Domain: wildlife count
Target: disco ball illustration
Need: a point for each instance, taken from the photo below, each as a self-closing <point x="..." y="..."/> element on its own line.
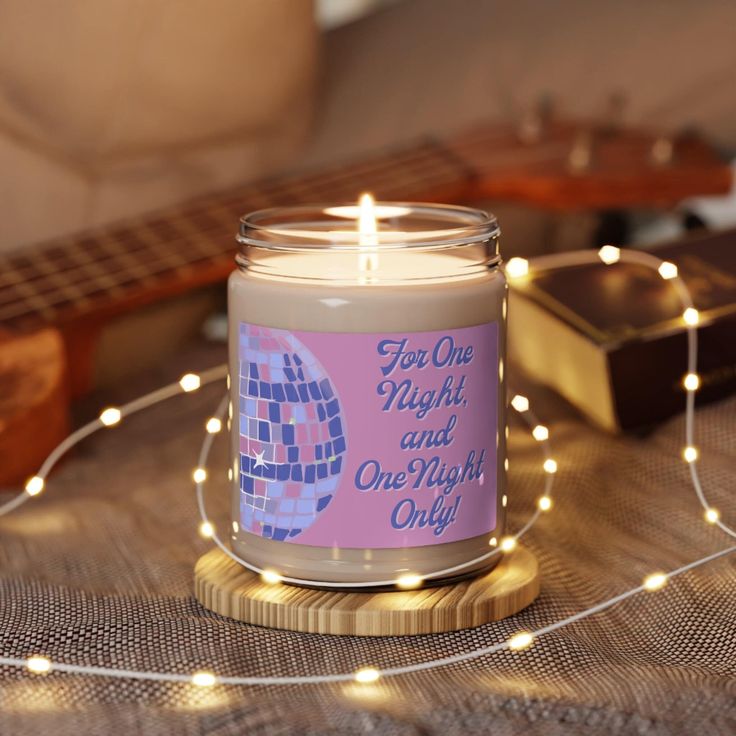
<point x="292" y="434"/>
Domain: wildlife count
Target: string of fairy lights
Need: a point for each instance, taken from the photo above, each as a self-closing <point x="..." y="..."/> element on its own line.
<point x="516" y="269"/>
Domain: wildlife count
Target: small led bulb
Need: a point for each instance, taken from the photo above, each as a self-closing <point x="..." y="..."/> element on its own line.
<point x="690" y="454"/>
<point x="609" y="254"/>
<point x="544" y="503"/>
<point x="199" y="475"/>
<point x="35" y="485"/>
<point x="189" y="382"/>
<point x="517" y="267"/>
<point x="206" y="530"/>
<point x="508" y="544"/>
<point x="203" y="679"/>
<point x="550" y="465"/>
<point x="367" y="674"/>
<point x="655" y="581"/>
<point x="39" y="665"/>
<point x="522" y="640"/>
<point x="712" y="515"/>
<point x="520" y="403"/>
<point x="111" y="416"/>
<point x="214" y="425"/>
<point x="691" y="316"/>
<point x="271" y="577"/>
<point x="691" y="382"/>
<point x="540" y="433"/>
<point x="407" y="581"/>
<point x="667" y="270"/>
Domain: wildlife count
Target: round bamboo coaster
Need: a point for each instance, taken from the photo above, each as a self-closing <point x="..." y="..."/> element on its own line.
<point x="227" y="588"/>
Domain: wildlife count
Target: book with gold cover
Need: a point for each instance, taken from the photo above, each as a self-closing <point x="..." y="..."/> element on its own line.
<point x="611" y="339"/>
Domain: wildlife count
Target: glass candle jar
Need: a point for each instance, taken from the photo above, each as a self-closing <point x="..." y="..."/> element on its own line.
<point x="367" y="349"/>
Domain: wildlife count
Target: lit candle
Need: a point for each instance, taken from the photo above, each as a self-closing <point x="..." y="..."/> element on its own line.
<point x="366" y="361"/>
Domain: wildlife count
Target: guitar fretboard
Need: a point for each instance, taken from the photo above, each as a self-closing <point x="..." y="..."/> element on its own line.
<point x="193" y="244"/>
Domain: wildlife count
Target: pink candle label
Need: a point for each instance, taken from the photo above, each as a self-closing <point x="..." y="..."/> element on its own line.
<point x="368" y="440"/>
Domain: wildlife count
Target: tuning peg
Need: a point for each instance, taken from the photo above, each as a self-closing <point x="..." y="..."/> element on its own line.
<point x="662" y="151"/>
<point x="615" y="112"/>
<point x="580" y="157"/>
<point x="535" y="121"/>
<point x="530" y="128"/>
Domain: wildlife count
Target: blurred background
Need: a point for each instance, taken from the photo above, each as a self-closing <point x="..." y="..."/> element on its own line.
<point x="134" y="133"/>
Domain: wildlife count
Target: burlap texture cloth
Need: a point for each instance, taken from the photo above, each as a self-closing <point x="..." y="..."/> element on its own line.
<point x="98" y="570"/>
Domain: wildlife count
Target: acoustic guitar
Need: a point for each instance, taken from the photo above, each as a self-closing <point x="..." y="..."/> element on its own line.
<point x="56" y="297"/>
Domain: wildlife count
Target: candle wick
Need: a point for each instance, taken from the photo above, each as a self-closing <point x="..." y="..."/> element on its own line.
<point x="367" y="235"/>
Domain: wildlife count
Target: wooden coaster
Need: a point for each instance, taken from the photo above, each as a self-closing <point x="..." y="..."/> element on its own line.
<point x="229" y="589"/>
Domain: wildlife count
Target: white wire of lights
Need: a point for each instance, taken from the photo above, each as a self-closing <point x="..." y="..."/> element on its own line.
<point x="516" y="268"/>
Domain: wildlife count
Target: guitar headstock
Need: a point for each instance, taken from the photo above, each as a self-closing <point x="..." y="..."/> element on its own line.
<point x="562" y="165"/>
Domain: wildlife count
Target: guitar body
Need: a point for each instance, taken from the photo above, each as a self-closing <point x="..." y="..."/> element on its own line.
<point x="34" y="402"/>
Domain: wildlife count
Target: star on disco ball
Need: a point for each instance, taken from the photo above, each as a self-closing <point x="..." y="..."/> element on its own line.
<point x="292" y="435"/>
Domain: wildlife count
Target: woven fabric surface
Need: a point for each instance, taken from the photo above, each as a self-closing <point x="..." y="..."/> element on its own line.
<point x="98" y="570"/>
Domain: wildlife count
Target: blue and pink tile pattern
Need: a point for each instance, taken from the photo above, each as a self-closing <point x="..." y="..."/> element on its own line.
<point x="292" y="434"/>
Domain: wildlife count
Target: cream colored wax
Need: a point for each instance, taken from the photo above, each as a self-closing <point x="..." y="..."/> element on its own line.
<point x="405" y="290"/>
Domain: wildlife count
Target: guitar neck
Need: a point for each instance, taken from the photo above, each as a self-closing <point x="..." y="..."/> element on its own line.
<point x="118" y="267"/>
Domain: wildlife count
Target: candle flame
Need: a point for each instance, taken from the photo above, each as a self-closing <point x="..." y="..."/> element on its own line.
<point x="367" y="225"/>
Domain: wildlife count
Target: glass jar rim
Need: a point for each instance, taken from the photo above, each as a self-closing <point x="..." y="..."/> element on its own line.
<point x="411" y="226"/>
